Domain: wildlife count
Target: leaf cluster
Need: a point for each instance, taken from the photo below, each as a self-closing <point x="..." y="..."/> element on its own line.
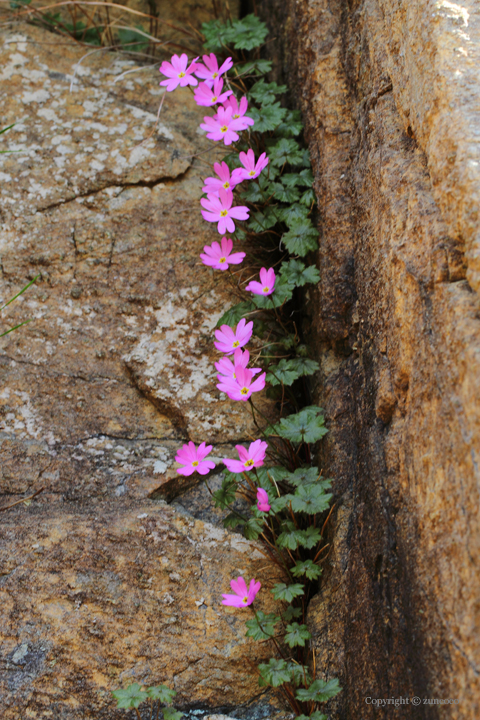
<point x="133" y="696"/>
<point x="246" y="33"/>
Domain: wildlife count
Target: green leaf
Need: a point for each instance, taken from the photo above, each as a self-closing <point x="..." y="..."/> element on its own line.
<point x="299" y="673"/>
<point x="232" y="316"/>
<point x="280" y="295"/>
<point x="291" y="180"/>
<point x="226" y="494"/>
<point x="262" y="627"/>
<point x="170" y="713"/>
<point x="261" y="221"/>
<point x="287" y="592"/>
<point x="306" y="160"/>
<point x="293" y="214"/>
<point x="310" y="537"/>
<point x="308" y="198"/>
<point x="260" y="66"/>
<point x="295" y="272"/>
<point x="317" y="715"/>
<point x="253" y="528"/>
<point x="283" y="373"/>
<point x="301" y="238"/>
<point x="217" y="35"/>
<point x="275" y="673"/>
<point x="307" y="568"/>
<point x="265" y="475"/>
<point x="249" y="32"/>
<point x="282" y="193"/>
<point x="304" y="476"/>
<point x="306" y="426"/>
<point x="296" y="635"/>
<point x="288" y="341"/>
<point x="277" y="504"/>
<point x="267" y="118"/>
<point x="319" y="691"/>
<point x="307" y="177"/>
<point x="131" y="697"/>
<point x="310" y="499"/>
<point x="290" y="613"/>
<point x="285" y="151"/>
<point x="253" y="193"/>
<point x="232" y="520"/>
<point x="291" y="126"/>
<point x="264" y="93"/>
<point x="290" y="538"/>
<point x="161" y="693"/>
<point x="245" y="34"/>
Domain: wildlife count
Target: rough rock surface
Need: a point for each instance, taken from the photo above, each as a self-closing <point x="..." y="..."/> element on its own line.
<point x="390" y="98"/>
<point x="100" y="580"/>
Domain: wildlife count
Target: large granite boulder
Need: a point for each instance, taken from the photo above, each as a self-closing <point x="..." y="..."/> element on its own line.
<point x="101" y="582"/>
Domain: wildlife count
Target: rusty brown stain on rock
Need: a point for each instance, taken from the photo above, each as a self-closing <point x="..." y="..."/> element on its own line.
<point x="396" y="323"/>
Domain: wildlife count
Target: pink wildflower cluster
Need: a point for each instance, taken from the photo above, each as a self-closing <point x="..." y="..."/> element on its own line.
<point x="235" y="378"/>
<point x="229" y="120"/>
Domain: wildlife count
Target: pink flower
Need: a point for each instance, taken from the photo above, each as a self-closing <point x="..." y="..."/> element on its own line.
<point x="219" y="257"/>
<point x="226" y="368"/>
<point x="242" y="597"/>
<point x="229" y="340"/>
<point x="193" y="459"/>
<point x="253" y="457"/>
<point x="212" y="185"/>
<point x="205" y="95"/>
<point x="239" y="110"/>
<point x="220" y="210"/>
<point x="222" y="126"/>
<point x="266" y="286"/>
<point x="210" y="71"/>
<point x="251" y="170"/>
<point x="242" y="386"/>
<point x="177" y="72"/>
<point x="262" y="500"/>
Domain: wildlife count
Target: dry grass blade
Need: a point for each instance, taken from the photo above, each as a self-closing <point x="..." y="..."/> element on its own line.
<point x="96" y="3"/>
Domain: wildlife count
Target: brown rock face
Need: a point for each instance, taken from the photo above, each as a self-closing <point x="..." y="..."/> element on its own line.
<point x="101" y="583"/>
<point x="389" y="93"/>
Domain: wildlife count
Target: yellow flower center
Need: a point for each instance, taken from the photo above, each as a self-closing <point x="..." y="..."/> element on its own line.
<point x="236" y="116"/>
<point x="236" y="343"/>
<point x="224" y="128"/>
<point x="195" y="463"/>
<point x="226" y="185"/>
<point x="182" y="74"/>
<point x="244" y="391"/>
<point x="215" y="75"/>
<point x="245" y="600"/>
<point x="222" y="260"/>
<point x="249" y="463"/>
<point x="223" y="213"/>
<point x="266" y="289"/>
<point x="214" y="98"/>
<point x="252" y="173"/>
